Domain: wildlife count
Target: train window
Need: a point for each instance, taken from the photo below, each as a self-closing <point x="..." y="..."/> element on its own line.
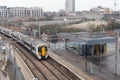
<point x="27" y="44"/>
<point x="23" y="41"/>
<point x="39" y="49"/>
<point x="33" y="48"/>
<point x="45" y="48"/>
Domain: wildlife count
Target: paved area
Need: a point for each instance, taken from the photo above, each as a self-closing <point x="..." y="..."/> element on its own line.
<point x="12" y="68"/>
<point x="14" y="72"/>
<point x="75" y="70"/>
<point x="3" y="73"/>
<point x="80" y="62"/>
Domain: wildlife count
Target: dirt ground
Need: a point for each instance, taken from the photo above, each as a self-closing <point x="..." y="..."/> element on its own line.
<point x="85" y="25"/>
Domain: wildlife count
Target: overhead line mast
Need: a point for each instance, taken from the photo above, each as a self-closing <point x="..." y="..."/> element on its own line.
<point x="115" y="5"/>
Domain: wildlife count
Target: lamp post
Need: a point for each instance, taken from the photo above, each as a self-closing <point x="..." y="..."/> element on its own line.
<point x="101" y="16"/>
<point x="37" y="19"/>
<point x="116" y="53"/>
<point x="116" y="50"/>
<point x="39" y="29"/>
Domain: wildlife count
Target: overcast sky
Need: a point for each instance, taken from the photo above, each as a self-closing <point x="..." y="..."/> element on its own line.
<point x="55" y="5"/>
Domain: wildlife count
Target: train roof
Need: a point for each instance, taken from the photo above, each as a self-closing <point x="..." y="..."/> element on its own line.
<point x="6" y="29"/>
<point x="17" y="33"/>
<point x="24" y="37"/>
<point x="29" y="39"/>
<point x="33" y="41"/>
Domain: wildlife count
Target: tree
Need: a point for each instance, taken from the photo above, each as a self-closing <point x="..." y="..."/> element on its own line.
<point x="32" y="26"/>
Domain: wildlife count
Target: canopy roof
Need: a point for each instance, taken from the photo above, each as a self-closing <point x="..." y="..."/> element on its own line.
<point x="88" y="38"/>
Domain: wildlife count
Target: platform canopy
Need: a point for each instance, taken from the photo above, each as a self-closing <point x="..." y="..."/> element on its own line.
<point x="88" y="38"/>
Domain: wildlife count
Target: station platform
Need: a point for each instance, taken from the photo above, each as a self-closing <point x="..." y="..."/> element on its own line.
<point x="77" y="71"/>
<point x="77" y="64"/>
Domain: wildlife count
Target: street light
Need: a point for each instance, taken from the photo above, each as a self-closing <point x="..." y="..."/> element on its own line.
<point x="116" y="55"/>
<point x="101" y="16"/>
<point x="117" y="37"/>
<point x="39" y="28"/>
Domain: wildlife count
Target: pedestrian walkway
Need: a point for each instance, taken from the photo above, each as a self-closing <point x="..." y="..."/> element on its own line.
<point x="14" y="71"/>
<point x="3" y="63"/>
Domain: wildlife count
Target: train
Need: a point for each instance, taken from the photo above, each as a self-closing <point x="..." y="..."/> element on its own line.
<point x="37" y="47"/>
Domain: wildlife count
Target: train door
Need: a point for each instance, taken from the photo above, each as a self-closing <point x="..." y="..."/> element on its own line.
<point x="39" y="50"/>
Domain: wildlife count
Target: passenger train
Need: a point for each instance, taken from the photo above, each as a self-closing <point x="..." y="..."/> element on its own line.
<point x="37" y="47"/>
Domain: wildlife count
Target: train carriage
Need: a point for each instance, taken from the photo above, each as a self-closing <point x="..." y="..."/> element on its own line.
<point x="39" y="48"/>
<point x="6" y="31"/>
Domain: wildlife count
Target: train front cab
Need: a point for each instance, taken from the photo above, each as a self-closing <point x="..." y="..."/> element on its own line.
<point x="42" y="51"/>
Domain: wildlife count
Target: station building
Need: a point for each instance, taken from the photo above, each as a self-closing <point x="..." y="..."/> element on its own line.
<point x="87" y="43"/>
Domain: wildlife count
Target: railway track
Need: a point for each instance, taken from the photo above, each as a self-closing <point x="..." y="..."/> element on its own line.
<point x="42" y="70"/>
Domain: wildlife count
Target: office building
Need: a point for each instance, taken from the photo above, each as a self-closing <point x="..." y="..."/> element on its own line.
<point x="20" y="12"/>
<point x="17" y="12"/>
<point x="3" y="12"/>
<point x="36" y="12"/>
<point x="70" y="6"/>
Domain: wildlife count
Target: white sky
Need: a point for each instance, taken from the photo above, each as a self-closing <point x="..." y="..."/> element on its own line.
<point x="55" y="5"/>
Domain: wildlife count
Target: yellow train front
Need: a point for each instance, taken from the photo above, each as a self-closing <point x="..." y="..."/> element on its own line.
<point x="42" y="52"/>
